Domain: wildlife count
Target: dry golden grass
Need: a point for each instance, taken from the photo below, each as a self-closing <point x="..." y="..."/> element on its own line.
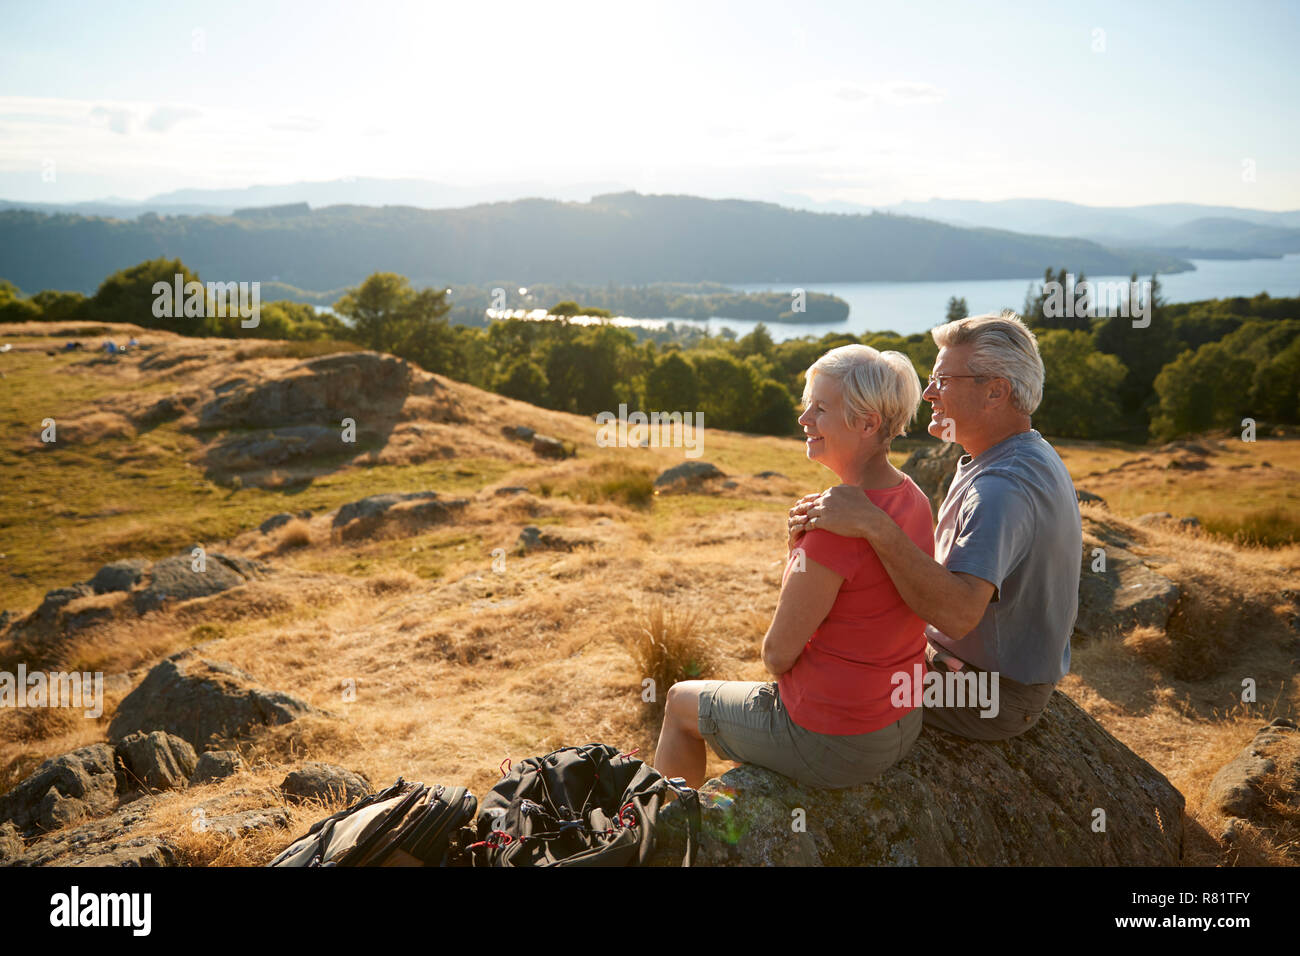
<point x="667" y="647"/>
<point x="295" y="534"/>
<point x="439" y="667"/>
<point x="1175" y="696"/>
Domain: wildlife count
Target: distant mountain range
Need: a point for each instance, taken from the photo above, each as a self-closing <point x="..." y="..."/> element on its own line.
<point x="1183" y="230"/>
<point x="352" y="191"/>
<point x="625" y="238"/>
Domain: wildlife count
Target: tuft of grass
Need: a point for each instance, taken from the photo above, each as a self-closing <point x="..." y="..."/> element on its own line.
<point x="611" y="481"/>
<point x="667" y="647"/>
<point x="206" y="632"/>
<point x="296" y="534"/>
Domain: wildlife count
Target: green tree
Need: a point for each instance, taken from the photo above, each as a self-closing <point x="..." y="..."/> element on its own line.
<point x="1080" y="387"/>
<point x="429" y="339"/>
<point x="378" y="309"/>
<point x="584" y="368"/>
<point x="1276" y="389"/>
<point x="522" y="379"/>
<point x="672" y="386"/>
<point x="957" y="309"/>
<point x="61" y="306"/>
<point x="774" y="410"/>
<point x="1143" y="350"/>
<point x="757" y="342"/>
<point x="128" y="296"/>
<point x="729" y="389"/>
<point x="389" y="316"/>
<point x="1200" y="390"/>
<point x="13" y="307"/>
<point x="569" y="307"/>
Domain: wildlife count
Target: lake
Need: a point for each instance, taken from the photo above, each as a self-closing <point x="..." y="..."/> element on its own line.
<point x="907" y="307"/>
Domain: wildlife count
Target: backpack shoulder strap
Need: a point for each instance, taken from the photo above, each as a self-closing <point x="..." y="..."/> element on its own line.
<point x="690" y="798"/>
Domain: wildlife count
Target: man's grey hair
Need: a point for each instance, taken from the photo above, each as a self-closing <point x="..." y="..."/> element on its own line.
<point x="1002" y="347"/>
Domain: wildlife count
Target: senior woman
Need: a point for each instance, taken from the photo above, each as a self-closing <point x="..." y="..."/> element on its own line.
<point x="841" y="630"/>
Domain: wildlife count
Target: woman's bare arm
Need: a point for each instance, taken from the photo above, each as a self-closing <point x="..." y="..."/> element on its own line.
<point x="806" y="598"/>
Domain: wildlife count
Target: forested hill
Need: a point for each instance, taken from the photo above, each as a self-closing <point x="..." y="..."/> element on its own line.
<point x="625" y="238"/>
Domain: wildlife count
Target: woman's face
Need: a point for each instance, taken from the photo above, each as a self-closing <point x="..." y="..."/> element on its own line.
<point x="829" y="440"/>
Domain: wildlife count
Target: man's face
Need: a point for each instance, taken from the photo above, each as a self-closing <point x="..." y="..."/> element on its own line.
<point x="960" y="403"/>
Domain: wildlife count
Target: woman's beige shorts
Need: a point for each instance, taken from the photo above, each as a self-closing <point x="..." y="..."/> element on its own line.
<point x="744" y="721"/>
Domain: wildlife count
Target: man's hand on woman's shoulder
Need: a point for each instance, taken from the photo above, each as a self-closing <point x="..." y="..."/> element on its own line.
<point x="844" y="510"/>
<point x="797" y="518"/>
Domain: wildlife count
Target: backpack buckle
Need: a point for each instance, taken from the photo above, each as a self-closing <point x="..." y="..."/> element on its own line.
<point x="679" y="784"/>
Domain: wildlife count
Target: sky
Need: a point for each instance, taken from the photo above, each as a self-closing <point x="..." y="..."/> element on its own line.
<point x="1106" y="104"/>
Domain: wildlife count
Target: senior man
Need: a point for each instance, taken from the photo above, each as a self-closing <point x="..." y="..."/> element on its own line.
<point x="1002" y="590"/>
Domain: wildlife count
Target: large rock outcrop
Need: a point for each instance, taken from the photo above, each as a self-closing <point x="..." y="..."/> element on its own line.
<point x="688" y="476"/>
<point x="316" y="392"/>
<point x="932" y="468"/>
<point x="1028" y="801"/>
<point x="174" y="579"/>
<point x="67" y="611"/>
<point x="1124" y="595"/>
<point x="394" y="513"/>
<point x="62" y="790"/>
<point x="197" y="699"/>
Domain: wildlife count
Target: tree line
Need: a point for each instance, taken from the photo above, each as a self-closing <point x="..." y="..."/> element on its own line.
<point x="1194" y="367"/>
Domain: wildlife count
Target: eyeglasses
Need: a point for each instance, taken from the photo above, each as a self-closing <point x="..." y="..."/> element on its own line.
<point x="939" y="381"/>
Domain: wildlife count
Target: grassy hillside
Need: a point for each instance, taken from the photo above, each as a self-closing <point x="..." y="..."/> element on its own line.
<point x="458" y="665"/>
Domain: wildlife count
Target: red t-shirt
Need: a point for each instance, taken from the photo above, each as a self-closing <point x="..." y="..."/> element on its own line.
<point x="841" y="682"/>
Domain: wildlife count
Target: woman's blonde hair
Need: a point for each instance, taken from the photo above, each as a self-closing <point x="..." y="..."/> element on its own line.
<point x="872" y="381"/>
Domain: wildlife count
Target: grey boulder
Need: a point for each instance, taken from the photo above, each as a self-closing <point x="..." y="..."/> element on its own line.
<point x="1028" y="801"/>
<point x="62" y="790"/>
<point x="323" y="781"/>
<point x="156" y="761"/>
<point x="1236" y="789"/>
<point x="196" y="699"/>
<point x="215" y="765"/>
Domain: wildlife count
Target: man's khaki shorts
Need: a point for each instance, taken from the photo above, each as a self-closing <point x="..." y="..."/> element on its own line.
<point x="1019" y="705"/>
<point x="744" y="721"/>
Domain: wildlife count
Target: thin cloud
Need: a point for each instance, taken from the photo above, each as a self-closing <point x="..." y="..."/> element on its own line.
<point x="165" y="117"/>
<point x="118" y="120"/>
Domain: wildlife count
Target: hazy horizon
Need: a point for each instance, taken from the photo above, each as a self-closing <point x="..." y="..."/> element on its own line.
<point x="835" y="102"/>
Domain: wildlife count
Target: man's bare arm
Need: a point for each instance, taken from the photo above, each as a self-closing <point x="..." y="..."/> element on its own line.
<point x="953" y="602"/>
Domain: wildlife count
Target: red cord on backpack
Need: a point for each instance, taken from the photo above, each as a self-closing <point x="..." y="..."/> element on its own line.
<point x="628" y="808"/>
<point x="489" y="840"/>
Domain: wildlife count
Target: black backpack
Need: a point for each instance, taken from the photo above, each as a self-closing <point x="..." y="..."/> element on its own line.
<point x="408" y="824"/>
<point x="578" y="806"/>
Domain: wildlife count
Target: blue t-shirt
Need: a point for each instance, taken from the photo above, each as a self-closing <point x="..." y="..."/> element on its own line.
<point x="1011" y="517"/>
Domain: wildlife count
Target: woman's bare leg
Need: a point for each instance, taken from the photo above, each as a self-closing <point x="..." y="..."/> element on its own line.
<point x="681" y="751"/>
